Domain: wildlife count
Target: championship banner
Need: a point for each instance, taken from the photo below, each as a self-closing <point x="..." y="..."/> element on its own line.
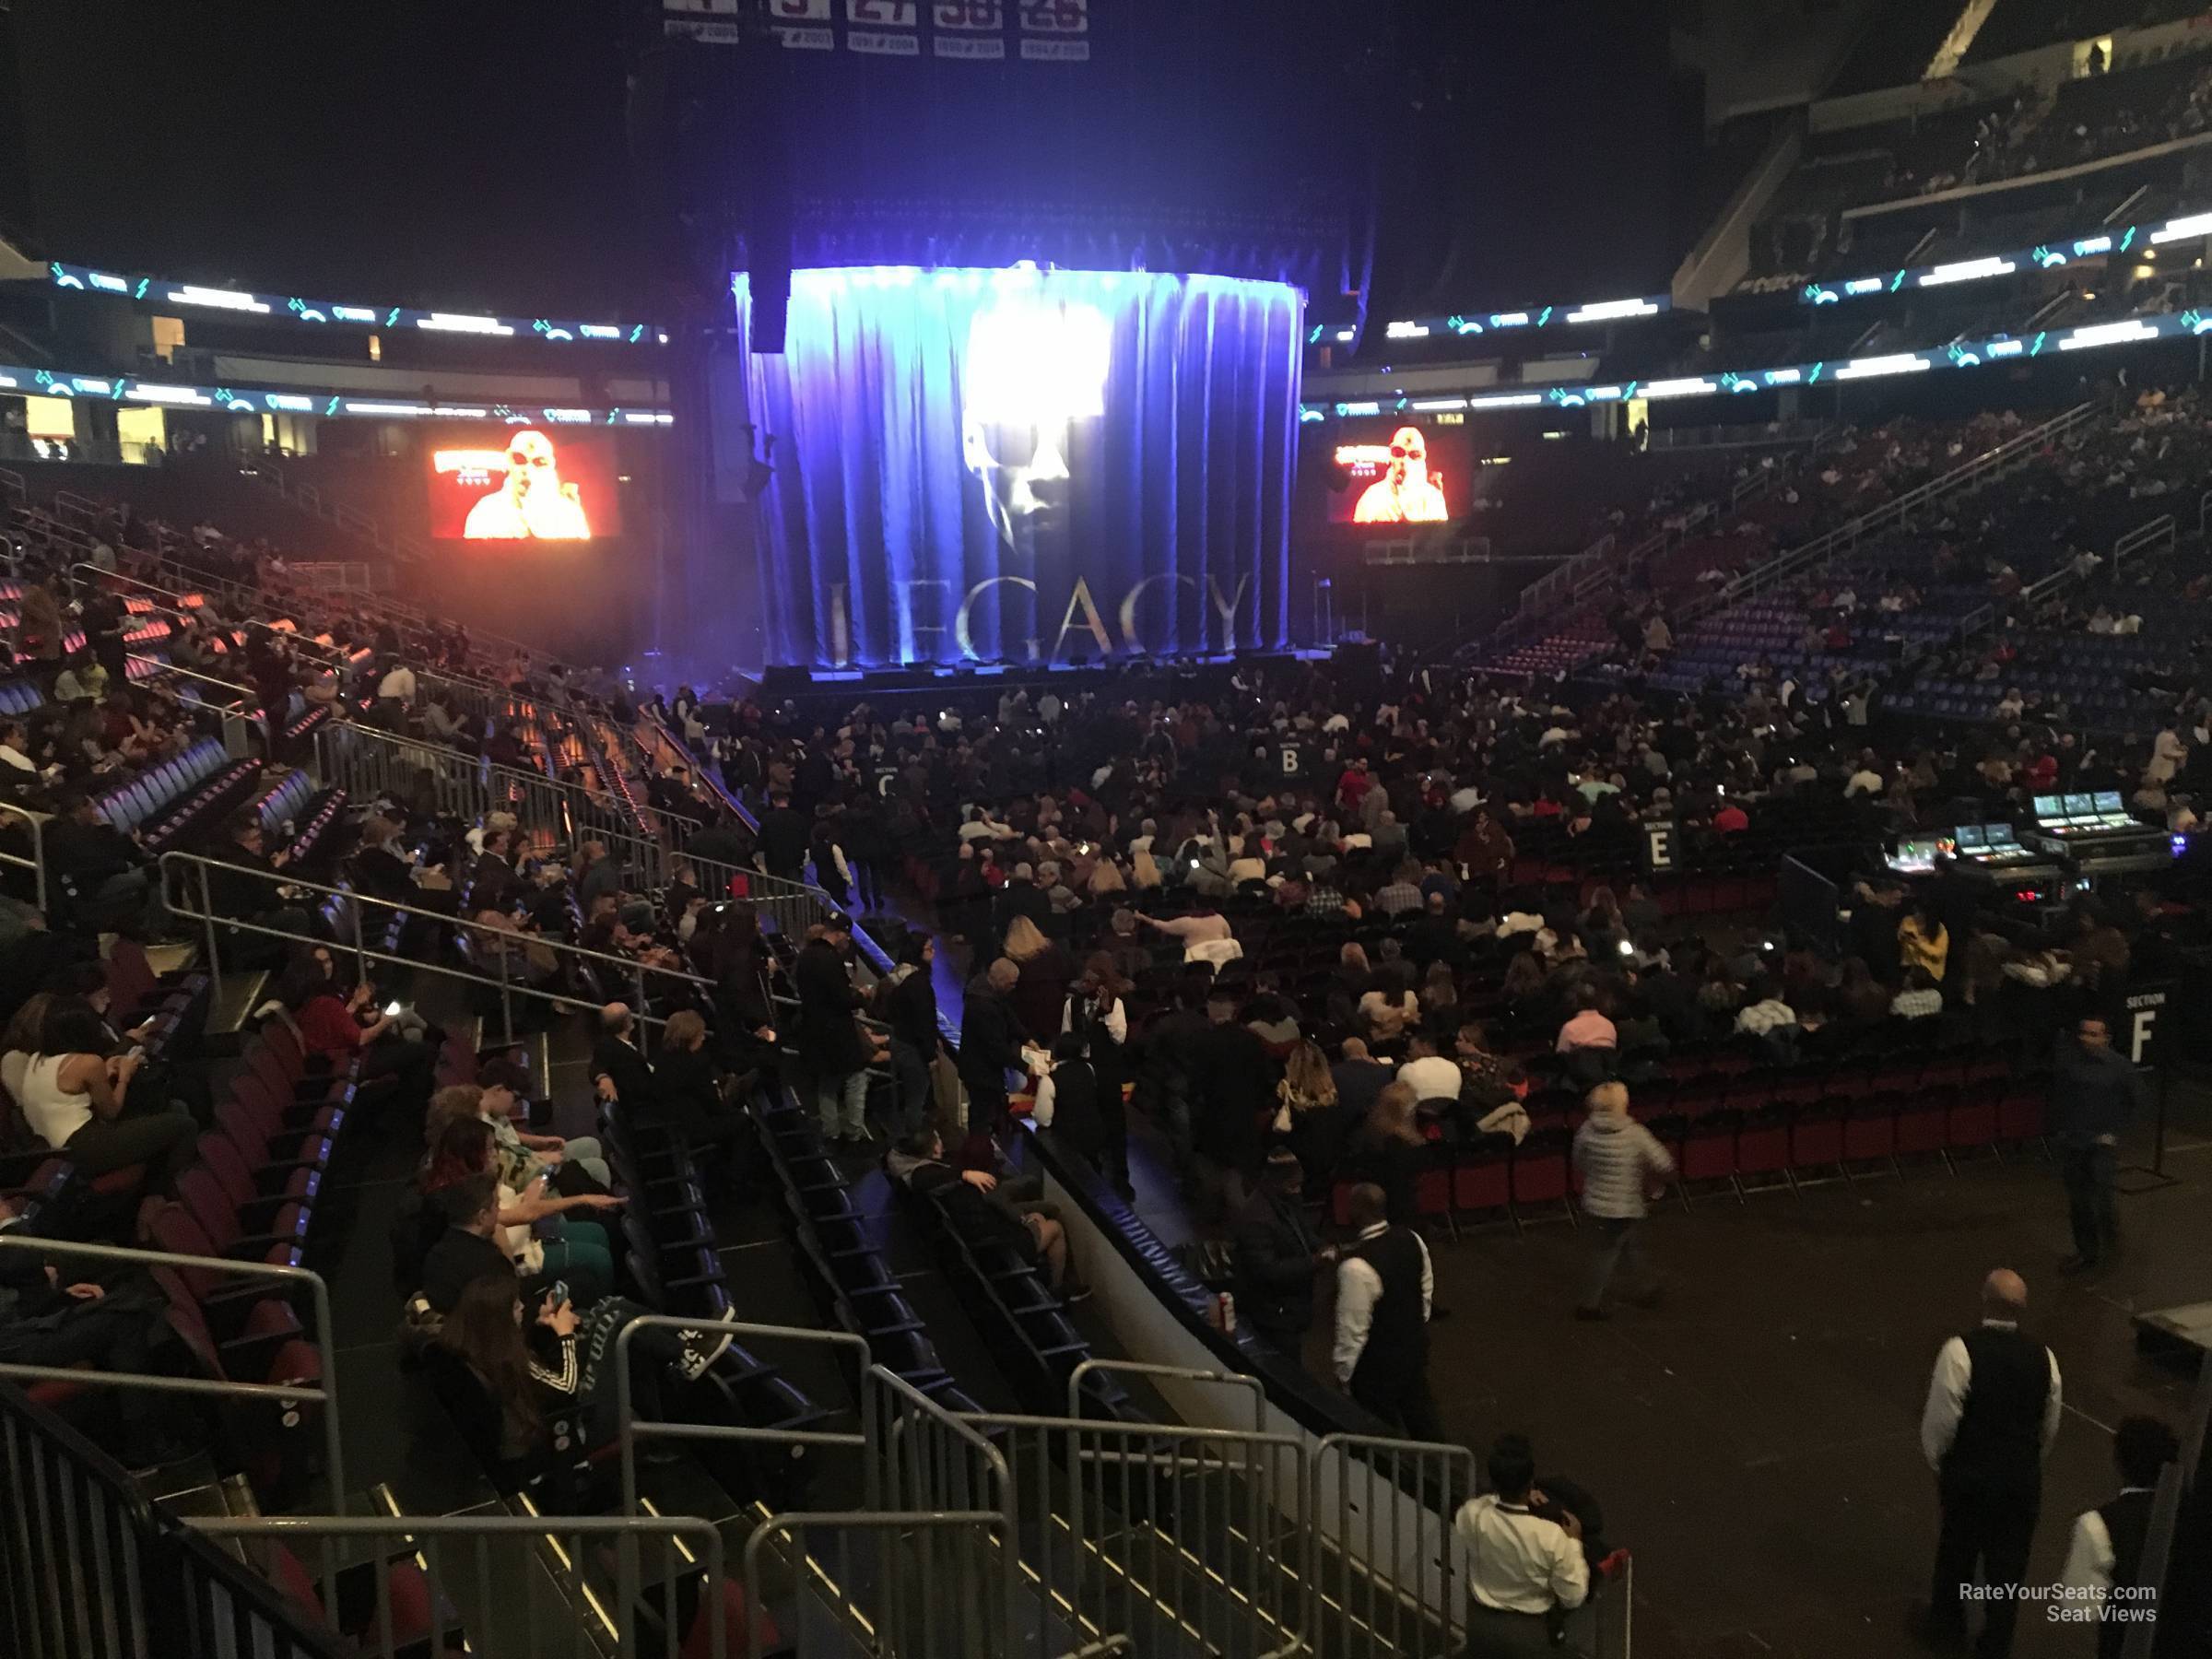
<point x="1050" y="32"/>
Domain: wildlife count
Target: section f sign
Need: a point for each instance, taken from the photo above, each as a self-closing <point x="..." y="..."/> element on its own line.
<point x="1056" y="31"/>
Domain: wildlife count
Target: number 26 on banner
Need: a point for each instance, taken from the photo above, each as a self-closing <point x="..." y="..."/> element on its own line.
<point x="899" y="14"/>
<point x="970" y="14"/>
<point x="799" y="11"/>
<point x="1055" y="17"/>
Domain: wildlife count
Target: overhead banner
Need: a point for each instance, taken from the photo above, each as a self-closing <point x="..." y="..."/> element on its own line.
<point x="1050" y="32"/>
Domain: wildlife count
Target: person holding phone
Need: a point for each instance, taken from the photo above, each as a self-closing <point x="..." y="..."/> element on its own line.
<point x="569" y="1248"/>
<point x="330" y="1023"/>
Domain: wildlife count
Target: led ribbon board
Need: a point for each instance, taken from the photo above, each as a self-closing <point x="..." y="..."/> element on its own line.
<point x="282" y="308"/>
<point x="2105" y="241"/>
<point x="1467" y="323"/>
<point x="1960" y="354"/>
<point x="326" y="405"/>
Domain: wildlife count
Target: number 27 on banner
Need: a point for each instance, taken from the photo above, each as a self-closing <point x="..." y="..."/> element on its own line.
<point x="899" y="14"/>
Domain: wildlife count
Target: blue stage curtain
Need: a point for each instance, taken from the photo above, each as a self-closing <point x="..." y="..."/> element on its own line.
<point x="890" y="513"/>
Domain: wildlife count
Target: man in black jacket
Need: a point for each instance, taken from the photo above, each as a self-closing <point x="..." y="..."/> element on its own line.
<point x="784" y="832"/>
<point x="242" y="886"/>
<point x="990" y="1044"/>
<point x="831" y="1043"/>
<point x="1275" y="1254"/>
<point x="1992" y="1413"/>
<point x="2094" y="1091"/>
<point x="619" y="1071"/>
<point x="1232" y="1083"/>
<point x="104" y="868"/>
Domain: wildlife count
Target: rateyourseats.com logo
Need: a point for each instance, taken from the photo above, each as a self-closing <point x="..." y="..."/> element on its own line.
<point x="2076" y="1603"/>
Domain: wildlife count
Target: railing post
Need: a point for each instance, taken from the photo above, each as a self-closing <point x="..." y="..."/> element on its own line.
<point x="214" y="965"/>
<point x="506" y="1001"/>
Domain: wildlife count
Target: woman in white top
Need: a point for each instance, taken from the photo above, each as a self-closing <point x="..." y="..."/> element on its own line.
<point x="77" y="1101"/>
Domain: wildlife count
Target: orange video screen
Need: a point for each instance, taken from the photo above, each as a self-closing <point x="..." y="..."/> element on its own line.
<point x="522" y="483"/>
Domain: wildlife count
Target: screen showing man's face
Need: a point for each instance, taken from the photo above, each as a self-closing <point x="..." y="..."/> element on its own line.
<point x="1385" y="477"/>
<point x="522" y="485"/>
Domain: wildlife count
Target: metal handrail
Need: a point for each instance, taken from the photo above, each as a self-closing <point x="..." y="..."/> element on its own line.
<point x="627" y="1530"/>
<point x="180" y="903"/>
<point x="36" y="863"/>
<point x="1822" y="547"/>
<point x="975" y="1640"/>
<point x="1112" y="1442"/>
<point x="325" y="1393"/>
<point x="633" y="1430"/>
<point x="1181" y="1373"/>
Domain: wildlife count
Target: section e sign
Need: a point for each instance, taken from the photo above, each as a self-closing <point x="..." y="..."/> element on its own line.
<point x="1661" y="837"/>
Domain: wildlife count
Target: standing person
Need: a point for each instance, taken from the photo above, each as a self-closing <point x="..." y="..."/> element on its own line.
<point x="1617" y="1159"/>
<point x="1522" y="1563"/>
<point x="1384" y="1286"/>
<point x="906" y="1000"/>
<point x="1232" y="1085"/>
<point x="2106" y="1551"/>
<point x="830" y="1036"/>
<point x="1991" y="1413"/>
<point x="1275" y="1254"/>
<point x="990" y="1045"/>
<point x="2094" y="1091"/>
<point x="1095" y="1012"/>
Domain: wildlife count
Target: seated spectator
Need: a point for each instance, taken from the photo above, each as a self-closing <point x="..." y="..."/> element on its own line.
<point x="1358" y="1078"/>
<point x="982" y="1209"/>
<point x="57" y="1311"/>
<point x="1428" y="1074"/>
<point x="242" y="886"/>
<point x="1922" y="942"/>
<point x="78" y="1101"/>
<point x="342" y="1026"/>
<point x="536" y="1235"/>
<point x="541" y="1358"/>
<point x="1587" y="1028"/>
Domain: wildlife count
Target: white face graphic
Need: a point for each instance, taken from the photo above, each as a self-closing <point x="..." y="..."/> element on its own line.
<point x="1409" y="457"/>
<point x="530" y="462"/>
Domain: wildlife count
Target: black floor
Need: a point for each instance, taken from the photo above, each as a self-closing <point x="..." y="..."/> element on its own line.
<point x="1755" y="1440"/>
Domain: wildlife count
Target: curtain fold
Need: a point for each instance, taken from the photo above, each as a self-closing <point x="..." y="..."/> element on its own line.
<point x="1025" y="466"/>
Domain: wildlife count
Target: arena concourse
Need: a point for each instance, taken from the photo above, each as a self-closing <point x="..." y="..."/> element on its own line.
<point x="1106" y="913"/>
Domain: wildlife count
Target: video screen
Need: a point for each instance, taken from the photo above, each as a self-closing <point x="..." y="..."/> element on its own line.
<point x="1970" y="838"/>
<point x="2047" y="807"/>
<point x="2108" y="800"/>
<point x="522" y="483"/>
<point x="2080" y="805"/>
<point x="1392" y="472"/>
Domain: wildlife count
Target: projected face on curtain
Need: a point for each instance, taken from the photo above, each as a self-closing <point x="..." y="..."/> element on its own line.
<point x="1025" y="466"/>
<point x="1033" y="367"/>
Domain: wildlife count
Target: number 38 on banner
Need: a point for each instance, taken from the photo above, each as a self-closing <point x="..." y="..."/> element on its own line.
<point x="989" y="14"/>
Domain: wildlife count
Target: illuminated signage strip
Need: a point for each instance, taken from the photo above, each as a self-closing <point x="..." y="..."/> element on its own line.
<point x="1480" y="323"/>
<point x="328" y="404"/>
<point x="2049" y="256"/>
<point x="282" y="308"/>
<point x="1960" y="354"/>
